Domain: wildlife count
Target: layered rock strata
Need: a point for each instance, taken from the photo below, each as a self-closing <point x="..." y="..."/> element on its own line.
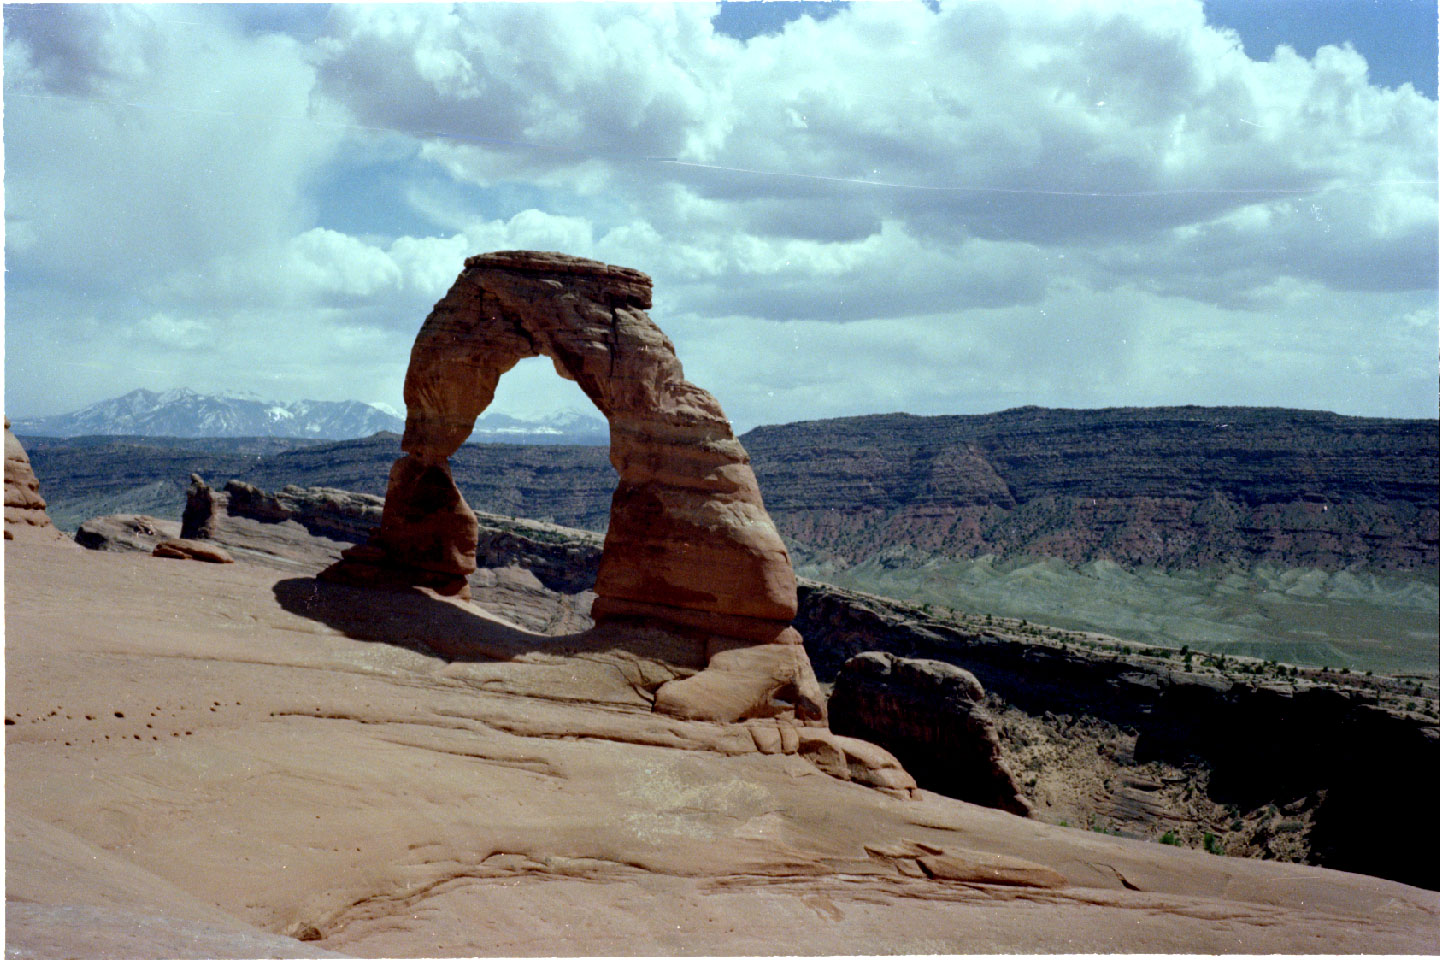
<point x="689" y="544"/>
<point x="25" y="514"/>
<point x="1151" y="486"/>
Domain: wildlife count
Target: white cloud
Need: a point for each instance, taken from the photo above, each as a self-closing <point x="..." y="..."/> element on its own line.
<point x="604" y="78"/>
<point x="1066" y="203"/>
<point x="191" y="142"/>
<point x="326" y="262"/>
<point x="169" y="332"/>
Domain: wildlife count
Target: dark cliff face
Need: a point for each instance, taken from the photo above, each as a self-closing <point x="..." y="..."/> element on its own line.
<point x="1171" y="486"/>
<point x="932" y="717"/>
<point x="1353" y="751"/>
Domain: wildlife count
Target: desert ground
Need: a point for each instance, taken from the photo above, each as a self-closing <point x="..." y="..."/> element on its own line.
<point x="240" y="760"/>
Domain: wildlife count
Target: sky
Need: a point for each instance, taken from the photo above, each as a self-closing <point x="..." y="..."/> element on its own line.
<point x="850" y="208"/>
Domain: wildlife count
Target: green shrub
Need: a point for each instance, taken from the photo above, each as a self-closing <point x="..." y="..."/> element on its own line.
<point x="1211" y="843"/>
<point x="1169" y="839"/>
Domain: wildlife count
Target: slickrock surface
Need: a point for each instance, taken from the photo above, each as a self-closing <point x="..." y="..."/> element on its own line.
<point x="200" y="757"/>
<point x="1119" y="737"/>
<point x="1114" y="737"/>
<point x="932" y="717"/>
<point x="25" y="515"/>
<point x="689" y="545"/>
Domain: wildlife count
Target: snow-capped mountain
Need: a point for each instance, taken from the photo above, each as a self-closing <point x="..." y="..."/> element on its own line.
<point x="568" y="427"/>
<point x="185" y="413"/>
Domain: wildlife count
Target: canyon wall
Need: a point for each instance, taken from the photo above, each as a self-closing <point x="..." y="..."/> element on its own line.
<point x="1161" y="486"/>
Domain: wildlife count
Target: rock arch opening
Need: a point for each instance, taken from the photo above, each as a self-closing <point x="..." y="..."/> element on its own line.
<point x="531" y="390"/>
<point x="689" y="545"/>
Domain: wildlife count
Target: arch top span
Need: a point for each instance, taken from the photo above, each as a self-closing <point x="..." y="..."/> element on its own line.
<point x="689" y="546"/>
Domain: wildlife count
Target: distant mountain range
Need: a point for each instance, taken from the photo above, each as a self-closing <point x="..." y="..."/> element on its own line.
<point x="1167" y="487"/>
<point x="187" y="414"/>
<point x="566" y="427"/>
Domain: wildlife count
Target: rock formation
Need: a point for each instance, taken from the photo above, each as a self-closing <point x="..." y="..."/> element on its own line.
<point x="323" y="511"/>
<point x="932" y="716"/>
<point x="689" y="544"/>
<point x="24" y="507"/>
<point x="1151" y="486"/>
<point x="125" y="532"/>
<point x="182" y="549"/>
<point x="176" y="730"/>
<point x="1342" y="748"/>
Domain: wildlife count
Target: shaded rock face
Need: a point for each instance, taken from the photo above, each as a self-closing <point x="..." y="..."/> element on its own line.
<point x="689" y="544"/>
<point x="24" y="507"/>
<point x="1343" y="754"/>
<point x="323" y="511"/>
<point x="932" y="717"/>
<point x="126" y="532"/>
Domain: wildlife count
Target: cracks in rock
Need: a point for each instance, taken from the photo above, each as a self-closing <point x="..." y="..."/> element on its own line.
<point x="507" y="867"/>
<point x="614" y="341"/>
<point x="318" y="714"/>
<point x="1118" y="875"/>
<point x="536" y="765"/>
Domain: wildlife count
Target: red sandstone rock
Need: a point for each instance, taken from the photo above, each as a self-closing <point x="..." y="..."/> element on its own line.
<point x="689" y="542"/>
<point x="191" y="550"/>
<point x="767" y="680"/>
<point x="25" y="514"/>
<point x="992" y="869"/>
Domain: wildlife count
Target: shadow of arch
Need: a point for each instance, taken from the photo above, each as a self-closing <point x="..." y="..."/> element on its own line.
<point x="458" y="633"/>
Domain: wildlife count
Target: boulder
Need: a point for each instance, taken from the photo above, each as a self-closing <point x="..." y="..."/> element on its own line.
<point x="748" y="682"/>
<point x="25" y="514"/>
<point x="181" y="549"/>
<point x="931" y="716"/>
<point x="126" y="532"/>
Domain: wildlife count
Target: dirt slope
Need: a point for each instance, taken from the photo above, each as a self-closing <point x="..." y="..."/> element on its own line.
<point x="200" y="758"/>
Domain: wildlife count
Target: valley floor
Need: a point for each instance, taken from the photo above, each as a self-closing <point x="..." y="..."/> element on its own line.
<point x="1383" y="622"/>
<point x="238" y="760"/>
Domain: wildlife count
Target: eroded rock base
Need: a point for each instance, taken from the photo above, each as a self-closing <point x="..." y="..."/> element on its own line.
<point x="25" y="514"/>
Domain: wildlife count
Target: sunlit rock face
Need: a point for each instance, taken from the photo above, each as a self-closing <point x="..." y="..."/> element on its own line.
<point x="689" y="543"/>
<point x="25" y="514"/>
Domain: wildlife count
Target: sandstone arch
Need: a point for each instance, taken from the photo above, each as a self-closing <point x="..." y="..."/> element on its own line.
<point x="689" y="545"/>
